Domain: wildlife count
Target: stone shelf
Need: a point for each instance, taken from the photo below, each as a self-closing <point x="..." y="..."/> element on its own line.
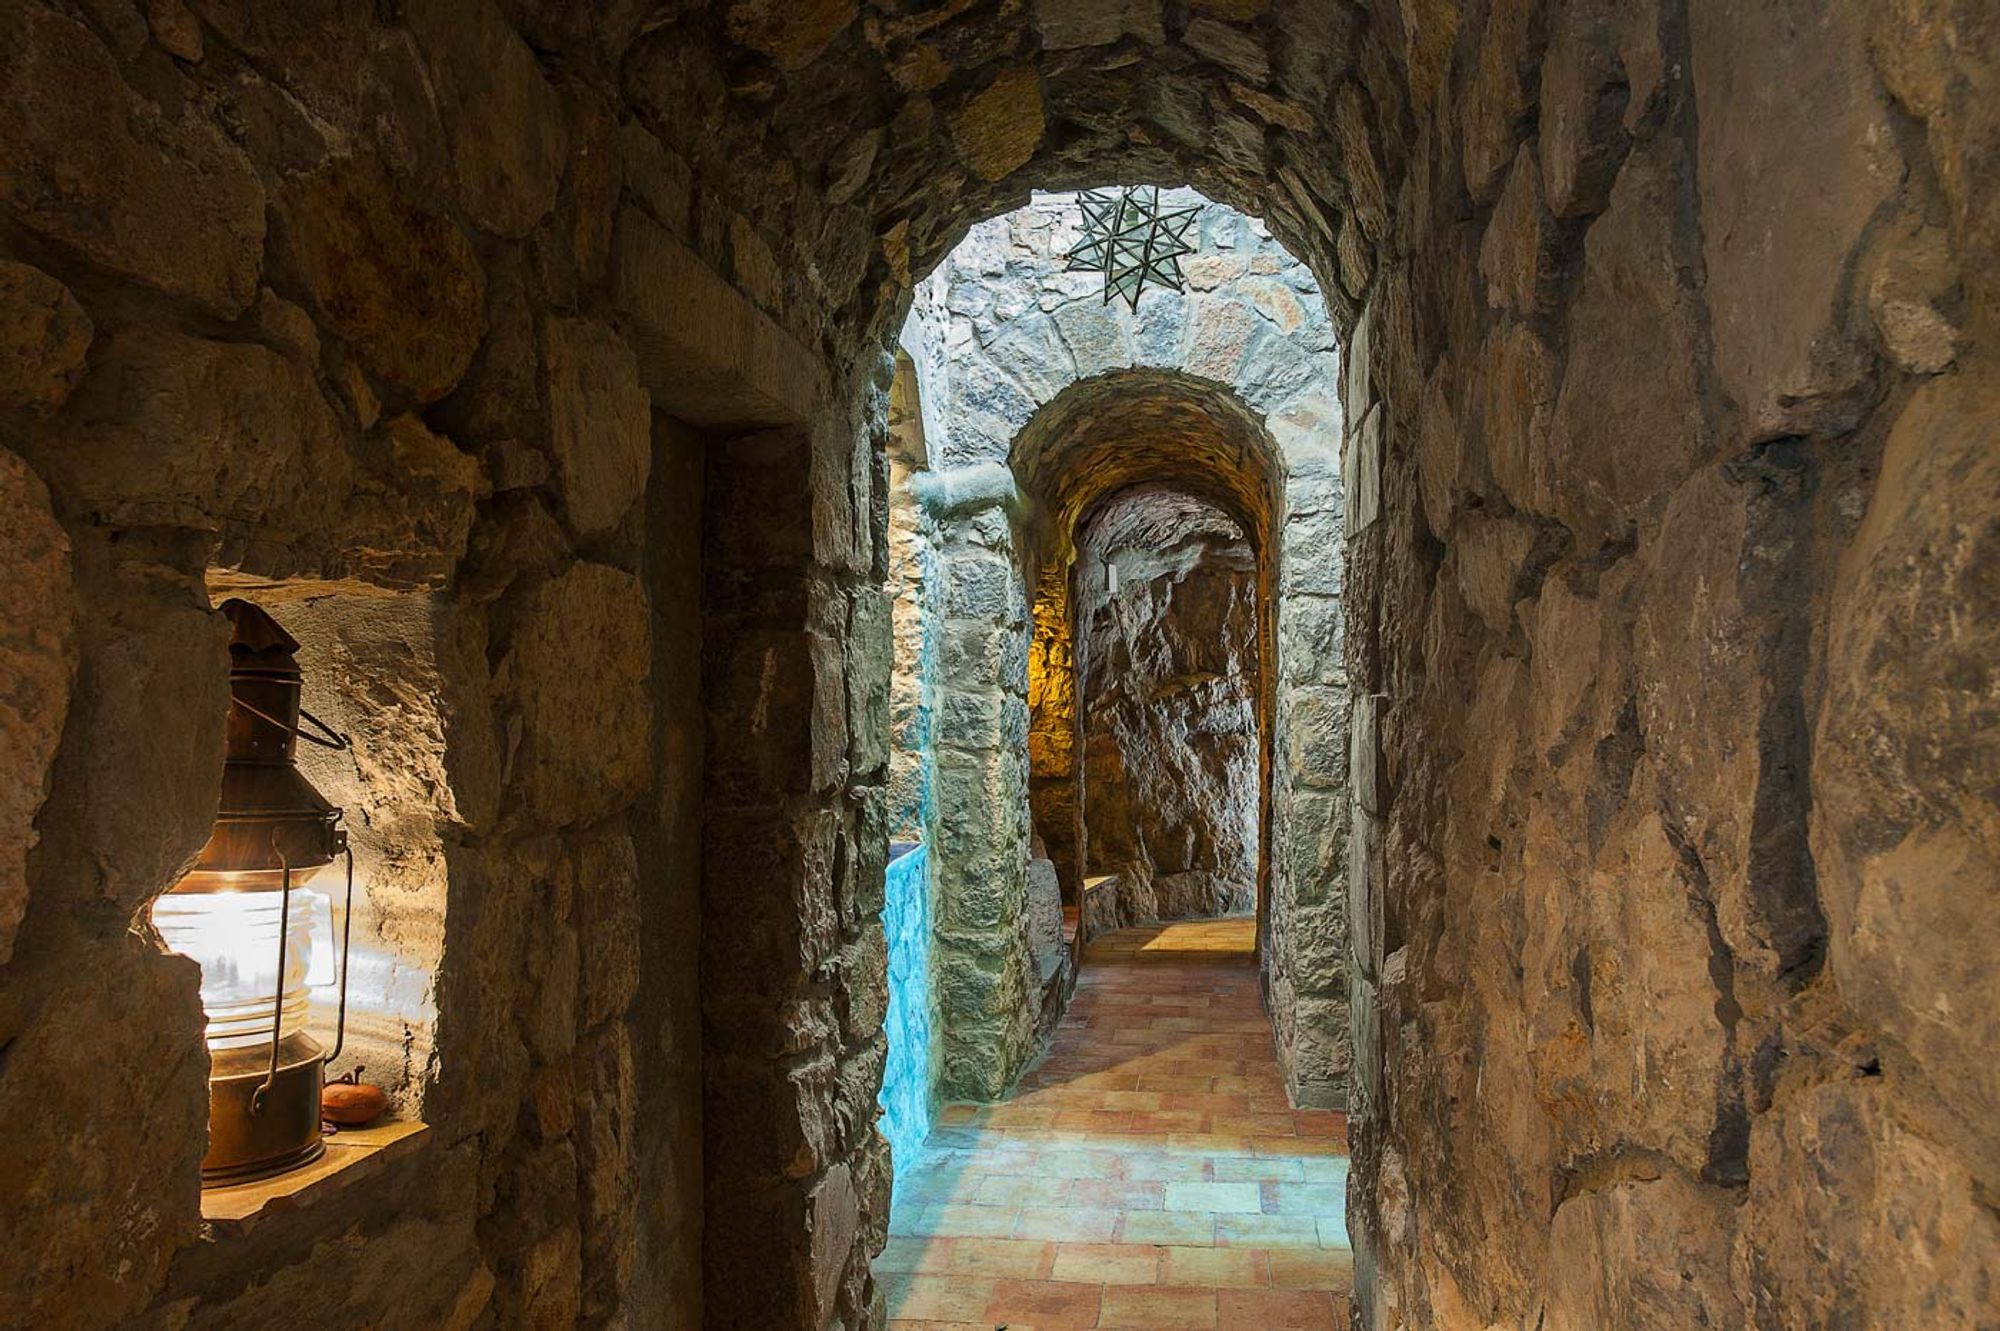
<point x="353" y="1156"/>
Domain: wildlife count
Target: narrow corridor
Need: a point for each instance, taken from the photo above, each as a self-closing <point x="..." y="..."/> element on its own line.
<point x="1149" y="1173"/>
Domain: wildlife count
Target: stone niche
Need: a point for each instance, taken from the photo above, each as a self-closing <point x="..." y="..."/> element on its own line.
<point x="381" y="669"/>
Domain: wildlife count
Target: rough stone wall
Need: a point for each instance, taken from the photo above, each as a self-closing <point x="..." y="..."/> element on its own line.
<point x="915" y="618"/>
<point x="988" y="996"/>
<point x="1055" y="729"/>
<point x="1305" y="926"/>
<point x="1170" y="678"/>
<point x="909" y="1074"/>
<point x="796" y="664"/>
<point x="385" y="323"/>
<point x="1018" y="327"/>
<point x="1672" y="546"/>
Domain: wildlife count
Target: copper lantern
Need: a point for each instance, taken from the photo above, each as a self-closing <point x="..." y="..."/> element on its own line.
<point x="245" y="913"/>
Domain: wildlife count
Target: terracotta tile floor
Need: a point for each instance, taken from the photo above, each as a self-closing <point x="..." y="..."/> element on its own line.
<point x="1149" y="1174"/>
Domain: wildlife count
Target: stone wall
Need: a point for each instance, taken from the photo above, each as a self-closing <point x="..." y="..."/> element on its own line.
<point x="909" y="1075"/>
<point x="415" y="333"/>
<point x="1672" y="785"/>
<point x="988" y="996"/>
<point x="1170" y="682"/>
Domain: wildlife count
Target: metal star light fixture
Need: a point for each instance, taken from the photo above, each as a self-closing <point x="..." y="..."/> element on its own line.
<point x="1128" y="239"/>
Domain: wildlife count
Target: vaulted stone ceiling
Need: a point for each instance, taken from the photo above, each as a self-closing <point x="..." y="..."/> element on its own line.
<point x="1108" y="433"/>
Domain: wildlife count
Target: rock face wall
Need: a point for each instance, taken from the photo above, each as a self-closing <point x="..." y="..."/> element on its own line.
<point x="1170" y="678"/>
<point x="1669" y="373"/>
<point x="1675" y="821"/>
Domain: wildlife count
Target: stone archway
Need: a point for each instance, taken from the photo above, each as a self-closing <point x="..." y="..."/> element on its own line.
<point x="1004" y="545"/>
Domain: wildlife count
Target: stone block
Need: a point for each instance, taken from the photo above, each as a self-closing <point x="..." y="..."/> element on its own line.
<point x="1795" y="164"/>
<point x="508" y="137"/>
<point x="1588" y="98"/>
<point x="1936" y="59"/>
<point x="183" y="430"/>
<point x="400" y="282"/>
<point x="863" y="995"/>
<point x="573" y="687"/>
<point x="1854" y="1217"/>
<point x="978" y="586"/>
<point x="1912" y="286"/>
<point x="1492" y="558"/>
<point x="1649" y="1252"/>
<point x="1905" y="757"/>
<point x="870" y="651"/>
<point x="1000" y="126"/>
<point x="1316" y="740"/>
<point x="1628" y="424"/>
<point x="1361" y="473"/>
<point x="44" y="334"/>
<point x="125" y="1150"/>
<point x="833" y="1217"/>
<point x="1716" y="707"/>
<point x="773" y="867"/>
<point x="1518" y="255"/>
<point x="37" y="666"/>
<point x="706" y="353"/>
<point x="1496" y="104"/>
<point x="600" y="422"/>
<point x="1229" y="46"/>
<point x="1315" y="840"/>
<point x="150" y="193"/>
<point x="1069" y="24"/>
<point x="789" y="34"/>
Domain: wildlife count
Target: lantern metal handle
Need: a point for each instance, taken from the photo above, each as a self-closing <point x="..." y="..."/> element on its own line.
<point x="278" y="1004"/>
<point x="284" y="941"/>
<point x="346" y="951"/>
<point x="328" y="737"/>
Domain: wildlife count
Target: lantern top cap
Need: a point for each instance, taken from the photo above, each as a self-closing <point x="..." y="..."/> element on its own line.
<point x="257" y="636"/>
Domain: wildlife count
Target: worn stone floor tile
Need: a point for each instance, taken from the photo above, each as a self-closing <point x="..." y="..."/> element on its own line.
<point x="1118" y="1194"/>
<point x="1314" y="1199"/>
<point x="1021" y="1190"/>
<point x="908" y="1255"/>
<point x="1107" y="1263"/>
<point x="953" y="1221"/>
<point x="1182" y="1227"/>
<point x="1240" y="1197"/>
<point x="1053" y="1305"/>
<point x="1074" y="1224"/>
<point x="1018" y="1259"/>
<point x="1273" y="1310"/>
<point x="1158" y="1308"/>
<point x="1266" y="1231"/>
<point x="1215" y="1267"/>
<point x="1311" y="1268"/>
<point x="941" y="1298"/>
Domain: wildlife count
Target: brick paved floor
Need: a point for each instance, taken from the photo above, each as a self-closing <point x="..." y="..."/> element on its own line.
<point x="1149" y="1174"/>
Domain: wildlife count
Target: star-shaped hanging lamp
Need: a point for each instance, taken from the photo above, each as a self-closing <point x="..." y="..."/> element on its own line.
<point x="1128" y="239"/>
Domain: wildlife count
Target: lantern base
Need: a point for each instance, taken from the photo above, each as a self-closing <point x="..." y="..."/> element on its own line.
<point x="246" y="1143"/>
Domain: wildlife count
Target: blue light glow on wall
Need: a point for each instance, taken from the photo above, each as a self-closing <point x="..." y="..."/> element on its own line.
<point x="907" y="1105"/>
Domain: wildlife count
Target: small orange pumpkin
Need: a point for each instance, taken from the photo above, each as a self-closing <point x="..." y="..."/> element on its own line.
<point x="349" y="1102"/>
